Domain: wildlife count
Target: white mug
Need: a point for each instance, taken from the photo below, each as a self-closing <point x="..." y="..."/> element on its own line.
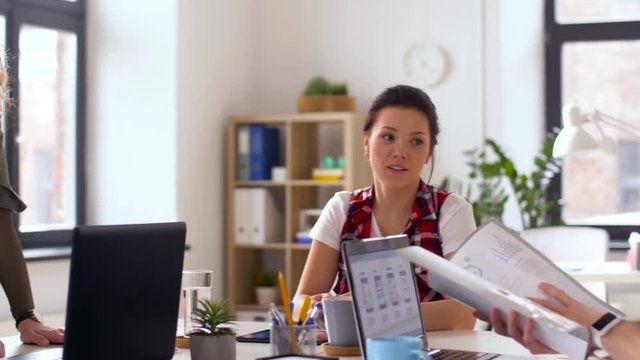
<point x="340" y="322"/>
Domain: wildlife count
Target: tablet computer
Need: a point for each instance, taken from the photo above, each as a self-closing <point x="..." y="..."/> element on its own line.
<point x="263" y="337"/>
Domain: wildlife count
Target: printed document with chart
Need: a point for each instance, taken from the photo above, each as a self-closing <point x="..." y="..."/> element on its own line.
<point x="494" y="267"/>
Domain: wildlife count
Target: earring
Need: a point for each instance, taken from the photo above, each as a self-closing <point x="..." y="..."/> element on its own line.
<point x="366" y="155"/>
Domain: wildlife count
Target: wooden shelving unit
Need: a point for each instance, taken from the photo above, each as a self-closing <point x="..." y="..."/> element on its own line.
<point x="304" y="138"/>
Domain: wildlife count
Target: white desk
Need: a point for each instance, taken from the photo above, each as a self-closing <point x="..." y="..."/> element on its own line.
<point x="457" y="339"/>
<point x="610" y="272"/>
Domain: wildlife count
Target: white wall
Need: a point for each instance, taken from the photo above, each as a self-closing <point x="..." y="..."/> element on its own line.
<point x="131" y="111"/>
<point x="494" y="87"/>
<point x="515" y="83"/>
<point x="216" y="72"/>
<point x="363" y="43"/>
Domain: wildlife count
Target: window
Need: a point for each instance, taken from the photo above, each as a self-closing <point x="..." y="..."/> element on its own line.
<point x="44" y="45"/>
<point x="592" y="53"/>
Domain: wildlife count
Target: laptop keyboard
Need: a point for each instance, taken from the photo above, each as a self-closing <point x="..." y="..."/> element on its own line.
<point x="459" y="355"/>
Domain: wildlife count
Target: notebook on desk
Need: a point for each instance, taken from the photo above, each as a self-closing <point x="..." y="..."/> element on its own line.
<point x="385" y="296"/>
<point x="124" y="293"/>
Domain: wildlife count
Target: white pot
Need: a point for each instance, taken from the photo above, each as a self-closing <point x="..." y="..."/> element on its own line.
<point x="205" y="347"/>
<point x="266" y="294"/>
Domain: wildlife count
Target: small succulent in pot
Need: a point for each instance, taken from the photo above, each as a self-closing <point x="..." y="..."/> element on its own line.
<point x="322" y="95"/>
<point x="214" y="336"/>
<point x="266" y="289"/>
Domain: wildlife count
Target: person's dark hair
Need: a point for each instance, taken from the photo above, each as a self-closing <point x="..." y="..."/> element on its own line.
<point x="411" y="97"/>
<point x="405" y="96"/>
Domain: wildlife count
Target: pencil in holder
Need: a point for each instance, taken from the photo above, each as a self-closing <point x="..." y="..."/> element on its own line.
<point x="297" y="339"/>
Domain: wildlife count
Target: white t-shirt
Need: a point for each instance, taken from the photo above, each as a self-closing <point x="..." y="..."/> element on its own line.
<point x="455" y="223"/>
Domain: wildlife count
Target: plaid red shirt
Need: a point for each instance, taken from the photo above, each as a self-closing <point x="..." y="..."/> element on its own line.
<point x="422" y="229"/>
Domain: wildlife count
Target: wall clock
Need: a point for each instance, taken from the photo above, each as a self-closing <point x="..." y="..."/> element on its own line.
<point x="425" y="64"/>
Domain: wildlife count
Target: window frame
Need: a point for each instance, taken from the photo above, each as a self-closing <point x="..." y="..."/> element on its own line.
<point x="556" y="34"/>
<point x="58" y="15"/>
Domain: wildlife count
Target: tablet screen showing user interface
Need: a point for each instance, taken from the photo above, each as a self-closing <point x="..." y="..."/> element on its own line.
<point x="383" y="288"/>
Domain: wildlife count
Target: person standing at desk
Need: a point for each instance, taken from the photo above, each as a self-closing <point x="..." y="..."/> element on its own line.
<point x="13" y="269"/>
<point x="620" y="338"/>
<point x="399" y="136"/>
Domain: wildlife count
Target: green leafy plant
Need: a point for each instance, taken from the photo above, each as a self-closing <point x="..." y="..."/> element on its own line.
<point x="319" y="85"/>
<point x="491" y="166"/>
<point x="530" y="190"/>
<point x="338" y="89"/>
<point x="266" y="279"/>
<point x="211" y="314"/>
<point x="489" y="197"/>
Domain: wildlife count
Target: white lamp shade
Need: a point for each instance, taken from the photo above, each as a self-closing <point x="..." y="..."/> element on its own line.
<point x="573" y="140"/>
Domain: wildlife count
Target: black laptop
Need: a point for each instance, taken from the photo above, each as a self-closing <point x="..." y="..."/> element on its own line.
<point x="124" y="293"/>
<point x="385" y="296"/>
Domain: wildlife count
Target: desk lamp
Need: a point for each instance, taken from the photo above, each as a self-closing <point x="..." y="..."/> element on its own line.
<point x="573" y="139"/>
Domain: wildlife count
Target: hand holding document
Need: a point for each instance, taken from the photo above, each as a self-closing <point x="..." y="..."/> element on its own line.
<point x="496" y="268"/>
<point x="500" y="256"/>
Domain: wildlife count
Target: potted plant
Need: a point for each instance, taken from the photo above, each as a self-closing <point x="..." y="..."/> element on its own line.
<point x="322" y="95"/>
<point x="530" y="190"/>
<point x="266" y="290"/>
<point x="490" y="165"/>
<point x="214" y="338"/>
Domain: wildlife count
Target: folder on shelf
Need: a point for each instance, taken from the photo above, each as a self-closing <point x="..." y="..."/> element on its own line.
<point x="257" y="219"/>
<point x="264" y="150"/>
<point x="243" y="153"/>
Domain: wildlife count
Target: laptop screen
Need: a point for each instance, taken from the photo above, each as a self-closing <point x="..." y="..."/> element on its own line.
<point x="124" y="291"/>
<point x="383" y="288"/>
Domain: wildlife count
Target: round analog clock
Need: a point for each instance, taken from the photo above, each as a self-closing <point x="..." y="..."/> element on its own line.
<point x="425" y="64"/>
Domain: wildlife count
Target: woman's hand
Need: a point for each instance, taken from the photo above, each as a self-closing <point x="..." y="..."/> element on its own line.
<point x="317" y="298"/>
<point x="33" y="332"/>
<point x="1" y="349"/>
<point x="567" y="306"/>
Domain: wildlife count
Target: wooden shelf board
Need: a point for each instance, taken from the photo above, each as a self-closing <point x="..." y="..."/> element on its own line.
<point x="310" y="117"/>
<point x="301" y="149"/>
<point x="263" y="183"/>
<point x="297" y="246"/>
<point x="268" y="246"/>
<point x="309" y="182"/>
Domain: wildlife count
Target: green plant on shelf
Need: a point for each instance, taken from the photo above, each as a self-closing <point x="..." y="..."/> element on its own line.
<point x="266" y="279"/>
<point x="338" y="88"/>
<point x="319" y="85"/>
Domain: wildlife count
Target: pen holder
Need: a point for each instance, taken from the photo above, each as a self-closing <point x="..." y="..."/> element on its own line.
<point x="297" y="339"/>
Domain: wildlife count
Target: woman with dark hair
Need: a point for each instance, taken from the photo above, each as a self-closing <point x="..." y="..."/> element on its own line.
<point x="399" y="136"/>
<point x="13" y="269"/>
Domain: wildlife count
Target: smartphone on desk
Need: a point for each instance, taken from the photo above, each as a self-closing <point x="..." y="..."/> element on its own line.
<point x="263" y="337"/>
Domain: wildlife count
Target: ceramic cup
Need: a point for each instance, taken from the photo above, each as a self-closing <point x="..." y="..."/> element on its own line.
<point x="396" y="347"/>
<point x="196" y="286"/>
<point x="339" y="321"/>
